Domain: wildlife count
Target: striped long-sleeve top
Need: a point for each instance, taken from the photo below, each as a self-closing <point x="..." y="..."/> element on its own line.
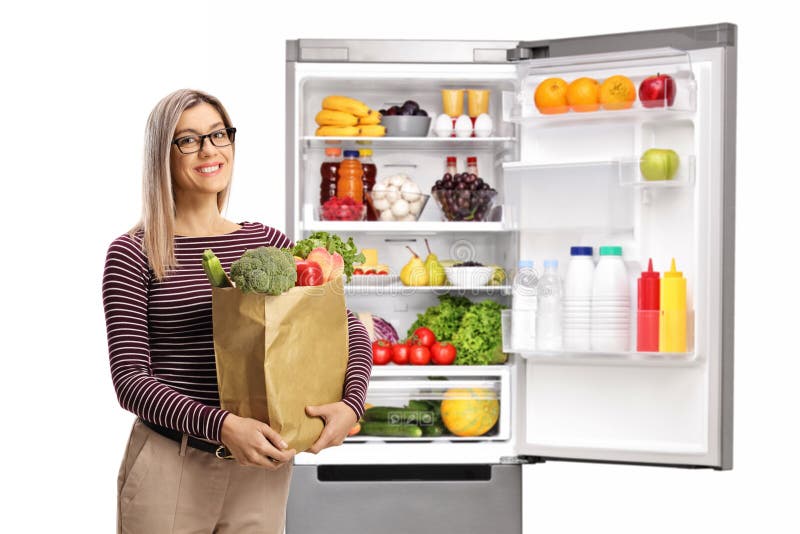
<point x="160" y="334"/>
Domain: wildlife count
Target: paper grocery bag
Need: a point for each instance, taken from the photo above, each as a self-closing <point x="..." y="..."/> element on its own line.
<point x="278" y="354"/>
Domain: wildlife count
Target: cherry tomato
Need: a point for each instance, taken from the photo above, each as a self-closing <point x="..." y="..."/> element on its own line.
<point x="424" y="336"/>
<point x="443" y="353"/>
<point x="420" y="355"/>
<point x="381" y="352"/>
<point x="400" y="353"/>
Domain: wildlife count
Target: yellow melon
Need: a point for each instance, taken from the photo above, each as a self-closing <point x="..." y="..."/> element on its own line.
<point x="470" y="412"/>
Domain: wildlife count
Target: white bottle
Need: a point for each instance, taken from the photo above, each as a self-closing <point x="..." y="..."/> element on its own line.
<point x="578" y="299"/>
<point x="611" y="303"/>
<point x="548" y="312"/>
<point x="523" y="308"/>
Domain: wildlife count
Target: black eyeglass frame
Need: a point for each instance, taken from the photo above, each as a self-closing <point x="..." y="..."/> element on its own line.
<point x="231" y="133"/>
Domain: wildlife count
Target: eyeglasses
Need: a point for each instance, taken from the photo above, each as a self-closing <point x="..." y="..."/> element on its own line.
<point x="190" y="144"/>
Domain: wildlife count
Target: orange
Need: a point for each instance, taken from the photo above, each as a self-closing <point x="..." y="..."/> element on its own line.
<point x="551" y="96"/>
<point x="617" y="92"/>
<point x="582" y="95"/>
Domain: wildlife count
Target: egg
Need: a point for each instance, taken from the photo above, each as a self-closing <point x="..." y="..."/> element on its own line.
<point x="443" y="125"/>
<point x="463" y="126"/>
<point x="483" y="125"/>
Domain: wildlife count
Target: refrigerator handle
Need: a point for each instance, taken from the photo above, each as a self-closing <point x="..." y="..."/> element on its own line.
<point x="419" y="473"/>
<point x="522" y="53"/>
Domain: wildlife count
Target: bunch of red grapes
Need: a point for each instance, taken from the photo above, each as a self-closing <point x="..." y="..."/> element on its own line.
<point x="463" y="196"/>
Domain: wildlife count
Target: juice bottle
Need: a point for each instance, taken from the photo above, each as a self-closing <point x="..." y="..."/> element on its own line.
<point x="351" y="182"/>
<point x="370" y="173"/>
<point x="672" y="324"/>
<point x="329" y="171"/>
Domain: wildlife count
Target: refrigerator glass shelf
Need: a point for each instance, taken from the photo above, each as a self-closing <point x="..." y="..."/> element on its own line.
<point x="406" y="143"/>
<point x="644" y="359"/>
<point x="402" y="290"/>
<point x="402" y="371"/>
<point x="413" y="228"/>
<point x="423" y="439"/>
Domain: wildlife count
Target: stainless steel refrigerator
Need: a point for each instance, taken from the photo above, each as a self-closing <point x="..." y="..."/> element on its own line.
<point x="563" y="179"/>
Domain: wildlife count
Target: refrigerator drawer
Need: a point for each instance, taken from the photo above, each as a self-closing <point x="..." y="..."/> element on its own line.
<point x="395" y="499"/>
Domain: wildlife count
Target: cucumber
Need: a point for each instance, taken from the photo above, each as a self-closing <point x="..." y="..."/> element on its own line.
<point x="421" y="405"/>
<point x="389" y="414"/>
<point x="377" y="428"/>
<point x="432" y="431"/>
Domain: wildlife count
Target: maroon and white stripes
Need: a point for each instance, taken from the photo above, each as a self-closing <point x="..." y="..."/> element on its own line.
<point x="160" y="334"/>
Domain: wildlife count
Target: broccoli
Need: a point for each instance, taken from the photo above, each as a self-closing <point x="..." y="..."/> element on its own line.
<point x="268" y="270"/>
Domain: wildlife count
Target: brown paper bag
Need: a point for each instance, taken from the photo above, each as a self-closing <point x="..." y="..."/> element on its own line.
<point x="278" y="354"/>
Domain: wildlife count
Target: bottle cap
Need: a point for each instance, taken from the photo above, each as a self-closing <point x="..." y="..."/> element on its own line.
<point x="580" y="251"/>
<point x="451" y="160"/>
<point x="650" y="273"/>
<point x="472" y="160"/>
<point x="608" y="251"/>
<point x="551" y="264"/>
<point x="525" y="264"/>
<point x="333" y="151"/>
<point x="351" y="153"/>
<point x="365" y="152"/>
<point x="672" y="273"/>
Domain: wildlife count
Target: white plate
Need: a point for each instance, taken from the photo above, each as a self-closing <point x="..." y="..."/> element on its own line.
<point x="374" y="280"/>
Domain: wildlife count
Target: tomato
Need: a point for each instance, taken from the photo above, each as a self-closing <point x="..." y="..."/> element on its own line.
<point x="424" y="336"/>
<point x="443" y="353"/>
<point x="420" y="355"/>
<point x="358" y="271"/>
<point x="381" y="352"/>
<point x="400" y="353"/>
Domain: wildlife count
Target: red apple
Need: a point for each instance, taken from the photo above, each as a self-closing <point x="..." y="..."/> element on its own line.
<point x="654" y="90"/>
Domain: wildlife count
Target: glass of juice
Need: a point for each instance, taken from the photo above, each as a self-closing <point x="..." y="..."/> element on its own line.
<point x="453" y="102"/>
<point x="477" y="102"/>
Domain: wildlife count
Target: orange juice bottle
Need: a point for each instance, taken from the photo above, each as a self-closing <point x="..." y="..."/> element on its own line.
<point x="351" y="173"/>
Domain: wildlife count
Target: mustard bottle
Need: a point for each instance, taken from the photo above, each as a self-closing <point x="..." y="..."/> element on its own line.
<point x="672" y="319"/>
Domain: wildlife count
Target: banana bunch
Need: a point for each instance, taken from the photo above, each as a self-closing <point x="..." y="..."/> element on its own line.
<point x="342" y="116"/>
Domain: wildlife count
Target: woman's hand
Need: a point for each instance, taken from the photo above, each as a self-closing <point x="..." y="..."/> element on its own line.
<point x="339" y="418"/>
<point x="254" y="443"/>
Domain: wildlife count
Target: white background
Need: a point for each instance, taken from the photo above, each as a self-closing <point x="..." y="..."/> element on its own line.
<point x="77" y="82"/>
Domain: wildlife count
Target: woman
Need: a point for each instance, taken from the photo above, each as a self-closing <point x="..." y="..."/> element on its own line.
<point x="157" y="303"/>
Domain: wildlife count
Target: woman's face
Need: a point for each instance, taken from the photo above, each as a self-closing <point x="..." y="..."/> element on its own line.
<point x="209" y="169"/>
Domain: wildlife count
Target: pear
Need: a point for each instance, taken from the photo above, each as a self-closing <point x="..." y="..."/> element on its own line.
<point x="413" y="273"/>
<point x="436" y="274"/>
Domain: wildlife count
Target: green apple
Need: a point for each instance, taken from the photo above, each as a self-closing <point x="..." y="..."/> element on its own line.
<point x="659" y="164"/>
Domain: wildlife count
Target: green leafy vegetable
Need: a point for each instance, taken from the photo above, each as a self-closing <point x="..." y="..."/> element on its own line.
<point x="479" y="339"/>
<point x="444" y="319"/>
<point x="332" y="243"/>
<point x="268" y="270"/>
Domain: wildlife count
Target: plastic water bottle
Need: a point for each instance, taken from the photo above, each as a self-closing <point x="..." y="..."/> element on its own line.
<point x="578" y="299"/>
<point x="548" y="313"/>
<point x="523" y="308"/>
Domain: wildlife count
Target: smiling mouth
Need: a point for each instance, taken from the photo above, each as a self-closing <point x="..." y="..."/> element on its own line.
<point x="209" y="169"/>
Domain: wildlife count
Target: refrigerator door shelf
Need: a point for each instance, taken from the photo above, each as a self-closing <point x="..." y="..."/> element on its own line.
<point x="637" y="65"/>
<point x="631" y="175"/>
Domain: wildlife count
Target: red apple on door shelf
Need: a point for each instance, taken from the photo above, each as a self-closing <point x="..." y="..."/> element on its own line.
<point x="654" y="90"/>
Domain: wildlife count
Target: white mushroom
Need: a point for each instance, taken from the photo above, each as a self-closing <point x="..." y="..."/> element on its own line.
<point x="400" y="208"/>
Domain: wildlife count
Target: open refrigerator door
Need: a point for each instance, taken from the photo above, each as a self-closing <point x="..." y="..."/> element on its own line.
<point x="582" y="181"/>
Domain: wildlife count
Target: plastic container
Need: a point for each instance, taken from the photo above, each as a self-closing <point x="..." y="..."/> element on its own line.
<point x="548" y="311"/>
<point x="610" y="303"/>
<point x="578" y="299"/>
<point x="350" y="183"/>
<point x="647" y="310"/>
<point x="329" y="170"/>
<point x="672" y="324"/>
<point x="523" y="307"/>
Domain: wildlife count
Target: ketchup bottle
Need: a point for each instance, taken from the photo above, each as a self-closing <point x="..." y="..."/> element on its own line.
<point x="647" y="313"/>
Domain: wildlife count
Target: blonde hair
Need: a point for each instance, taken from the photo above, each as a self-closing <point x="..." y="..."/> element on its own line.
<point x="158" y="199"/>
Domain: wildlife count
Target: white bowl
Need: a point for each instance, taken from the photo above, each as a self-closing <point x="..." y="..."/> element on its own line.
<point x="469" y="276"/>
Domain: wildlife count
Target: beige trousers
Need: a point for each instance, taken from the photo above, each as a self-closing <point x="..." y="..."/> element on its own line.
<point x="166" y="488"/>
